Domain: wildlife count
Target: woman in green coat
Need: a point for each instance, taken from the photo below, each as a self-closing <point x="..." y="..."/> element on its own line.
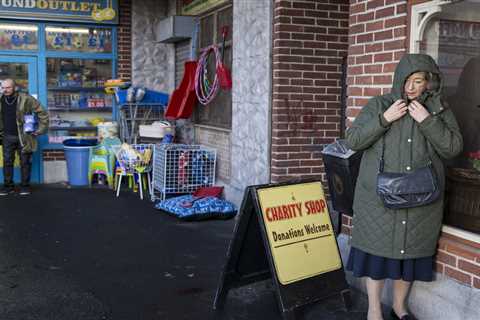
<point x="418" y="128"/>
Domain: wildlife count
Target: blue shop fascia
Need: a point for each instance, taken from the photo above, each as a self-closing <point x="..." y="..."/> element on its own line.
<point x="62" y="53"/>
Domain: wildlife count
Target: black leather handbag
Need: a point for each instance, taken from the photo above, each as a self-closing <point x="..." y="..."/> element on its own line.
<point x="407" y="190"/>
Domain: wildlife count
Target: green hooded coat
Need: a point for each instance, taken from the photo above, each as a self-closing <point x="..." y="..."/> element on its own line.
<point x="405" y="233"/>
<point x="27" y="104"/>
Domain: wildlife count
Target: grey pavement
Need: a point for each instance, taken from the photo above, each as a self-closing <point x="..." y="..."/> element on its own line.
<point x="71" y="254"/>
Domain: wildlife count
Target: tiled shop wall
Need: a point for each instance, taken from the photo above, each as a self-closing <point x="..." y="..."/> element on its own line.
<point x="310" y="41"/>
<point x="251" y="97"/>
<point x="377" y="40"/>
<point x="124" y="63"/>
<point x="153" y="63"/>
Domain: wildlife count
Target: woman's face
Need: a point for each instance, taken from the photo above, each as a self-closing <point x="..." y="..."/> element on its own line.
<point x="415" y="85"/>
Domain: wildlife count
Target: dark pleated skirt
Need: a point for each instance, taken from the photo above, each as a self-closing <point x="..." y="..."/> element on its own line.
<point x="363" y="264"/>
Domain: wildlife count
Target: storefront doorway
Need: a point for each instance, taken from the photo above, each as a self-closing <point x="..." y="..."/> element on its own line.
<point x="23" y="70"/>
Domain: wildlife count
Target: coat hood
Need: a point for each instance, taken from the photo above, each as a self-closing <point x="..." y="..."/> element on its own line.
<point x="411" y="63"/>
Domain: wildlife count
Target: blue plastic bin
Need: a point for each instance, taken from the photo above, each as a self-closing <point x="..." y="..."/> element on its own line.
<point x="150" y="96"/>
<point x="77" y="152"/>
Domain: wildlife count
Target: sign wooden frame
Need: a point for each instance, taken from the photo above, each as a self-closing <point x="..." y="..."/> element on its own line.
<point x="249" y="260"/>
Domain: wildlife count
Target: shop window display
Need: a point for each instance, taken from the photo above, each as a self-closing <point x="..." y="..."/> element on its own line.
<point x="94" y="40"/>
<point x="18" y="37"/>
<point x="452" y="36"/>
<point x="17" y="71"/>
<point x="76" y="98"/>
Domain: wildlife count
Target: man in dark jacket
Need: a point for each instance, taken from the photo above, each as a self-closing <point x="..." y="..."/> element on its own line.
<point x="13" y="108"/>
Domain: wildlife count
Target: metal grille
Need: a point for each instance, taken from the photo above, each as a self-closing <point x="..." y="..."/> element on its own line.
<point x="180" y="168"/>
<point x="132" y="115"/>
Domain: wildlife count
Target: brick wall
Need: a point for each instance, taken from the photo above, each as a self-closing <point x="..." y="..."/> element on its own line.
<point x="377" y="41"/>
<point x="309" y="43"/>
<point x="53" y="155"/>
<point x="124" y="67"/>
<point x="459" y="259"/>
<point x="219" y="140"/>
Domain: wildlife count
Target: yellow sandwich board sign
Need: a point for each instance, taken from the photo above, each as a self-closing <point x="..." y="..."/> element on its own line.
<point x="299" y="230"/>
<point x="284" y="232"/>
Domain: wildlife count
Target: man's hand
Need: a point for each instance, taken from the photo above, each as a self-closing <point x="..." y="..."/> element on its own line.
<point x="397" y="110"/>
<point x="35" y="133"/>
<point x="417" y="111"/>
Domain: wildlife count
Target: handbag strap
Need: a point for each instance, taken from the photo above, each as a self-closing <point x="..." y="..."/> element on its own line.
<point x="382" y="158"/>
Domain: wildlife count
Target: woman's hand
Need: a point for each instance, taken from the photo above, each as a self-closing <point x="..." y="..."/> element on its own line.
<point x="417" y="111"/>
<point x="397" y="110"/>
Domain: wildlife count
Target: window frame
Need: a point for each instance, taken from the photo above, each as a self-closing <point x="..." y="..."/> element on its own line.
<point x="420" y="12"/>
<point x="229" y="46"/>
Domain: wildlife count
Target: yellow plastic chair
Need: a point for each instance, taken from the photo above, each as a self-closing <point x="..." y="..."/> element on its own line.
<point x="135" y="168"/>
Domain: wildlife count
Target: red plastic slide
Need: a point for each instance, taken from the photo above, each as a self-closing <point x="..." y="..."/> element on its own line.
<point x="183" y="98"/>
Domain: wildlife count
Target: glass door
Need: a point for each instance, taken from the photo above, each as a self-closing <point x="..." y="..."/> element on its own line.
<point x="24" y="71"/>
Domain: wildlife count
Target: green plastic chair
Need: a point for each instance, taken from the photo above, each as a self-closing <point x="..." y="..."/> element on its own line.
<point x="102" y="160"/>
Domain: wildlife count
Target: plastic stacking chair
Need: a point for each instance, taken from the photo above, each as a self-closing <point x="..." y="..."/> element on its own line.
<point x="102" y="160"/>
<point x="135" y="168"/>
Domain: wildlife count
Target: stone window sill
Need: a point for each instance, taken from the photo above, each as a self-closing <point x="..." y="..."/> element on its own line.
<point x="462" y="234"/>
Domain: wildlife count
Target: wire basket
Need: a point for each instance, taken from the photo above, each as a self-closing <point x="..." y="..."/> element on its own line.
<point x="180" y="169"/>
<point x="135" y="159"/>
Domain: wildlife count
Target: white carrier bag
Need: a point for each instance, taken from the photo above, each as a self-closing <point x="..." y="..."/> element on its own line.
<point x="157" y="129"/>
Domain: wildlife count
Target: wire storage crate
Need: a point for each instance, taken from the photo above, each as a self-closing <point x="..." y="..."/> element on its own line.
<point x="181" y="168"/>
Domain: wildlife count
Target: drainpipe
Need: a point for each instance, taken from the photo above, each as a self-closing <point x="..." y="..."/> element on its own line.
<point x="343" y="98"/>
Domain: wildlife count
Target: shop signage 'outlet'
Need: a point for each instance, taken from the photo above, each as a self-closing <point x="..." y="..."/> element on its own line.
<point x="105" y="11"/>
